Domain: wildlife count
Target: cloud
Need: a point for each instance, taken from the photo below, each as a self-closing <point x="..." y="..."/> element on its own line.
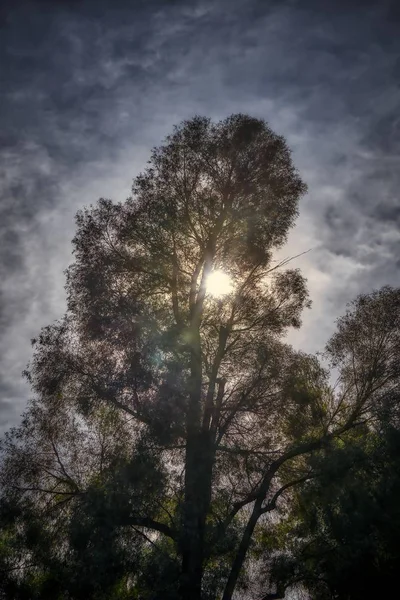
<point x="88" y="88"/>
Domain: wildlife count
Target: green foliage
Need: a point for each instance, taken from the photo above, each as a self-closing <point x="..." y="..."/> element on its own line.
<point x="345" y="525"/>
<point x="168" y="425"/>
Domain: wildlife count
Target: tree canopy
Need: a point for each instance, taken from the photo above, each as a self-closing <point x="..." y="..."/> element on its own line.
<point x="170" y="420"/>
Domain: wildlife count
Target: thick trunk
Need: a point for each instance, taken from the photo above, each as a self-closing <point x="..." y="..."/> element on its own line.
<point x="198" y="476"/>
<point x="199" y="464"/>
<point x="199" y="444"/>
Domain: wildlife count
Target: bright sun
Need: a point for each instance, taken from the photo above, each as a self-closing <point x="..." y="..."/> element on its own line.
<point x="219" y="284"/>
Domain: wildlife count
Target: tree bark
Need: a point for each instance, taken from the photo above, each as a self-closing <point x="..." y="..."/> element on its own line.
<point x="199" y="462"/>
<point x="200" y="448"/>
<point x="199" y="465"/>
<point x="242" y="551"/>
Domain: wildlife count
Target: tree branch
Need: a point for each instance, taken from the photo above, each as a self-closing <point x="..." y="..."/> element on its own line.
<point x="150" y="523"/>
<point x="271" y="505"/>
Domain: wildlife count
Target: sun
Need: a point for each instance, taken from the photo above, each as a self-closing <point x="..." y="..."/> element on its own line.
<point x="219" y="284"/>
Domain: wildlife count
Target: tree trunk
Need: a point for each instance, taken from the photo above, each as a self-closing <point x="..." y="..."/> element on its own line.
<point x="200" y="451"/>
<point x="199" y="465"/>
<point x="242" y="551"/>
<point x="198" y="477"/>
<point x="248" y="532"/>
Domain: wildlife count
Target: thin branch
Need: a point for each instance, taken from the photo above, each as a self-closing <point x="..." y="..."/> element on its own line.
<point x="272" y="503"/>
<point x="143" y="535"/>
<point x="64" y="471"/>
<point x="150" y="523"/>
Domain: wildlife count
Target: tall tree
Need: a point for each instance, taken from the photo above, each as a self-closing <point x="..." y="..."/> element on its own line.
<point x="176" y="310"/>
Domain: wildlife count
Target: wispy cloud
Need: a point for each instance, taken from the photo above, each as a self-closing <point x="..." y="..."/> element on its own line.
<point x="88" y="88"/>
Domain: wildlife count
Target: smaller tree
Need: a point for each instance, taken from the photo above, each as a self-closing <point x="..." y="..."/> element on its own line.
<point x="343" y="527"/>
<point x="366" y="350"/>
<point x="69" y="489"/>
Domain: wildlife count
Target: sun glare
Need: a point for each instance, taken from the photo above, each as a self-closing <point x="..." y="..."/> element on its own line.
<point x="219" y="284"/>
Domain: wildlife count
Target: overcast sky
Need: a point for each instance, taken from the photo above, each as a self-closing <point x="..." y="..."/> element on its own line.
<point x="87" y="88"/>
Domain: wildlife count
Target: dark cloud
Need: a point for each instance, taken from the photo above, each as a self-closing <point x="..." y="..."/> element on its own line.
<point x="86" y="88"/>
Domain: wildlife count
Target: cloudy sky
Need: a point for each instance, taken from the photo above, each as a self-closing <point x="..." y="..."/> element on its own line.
<point x="88" y="87"/>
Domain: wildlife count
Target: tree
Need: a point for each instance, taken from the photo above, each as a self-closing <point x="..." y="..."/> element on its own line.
<point x="343" y="527"/>
<point x="343" y="540"/>
<point x="196" y="380"/>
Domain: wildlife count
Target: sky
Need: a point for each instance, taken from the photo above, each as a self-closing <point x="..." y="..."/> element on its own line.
<point x="87" y="88"/>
